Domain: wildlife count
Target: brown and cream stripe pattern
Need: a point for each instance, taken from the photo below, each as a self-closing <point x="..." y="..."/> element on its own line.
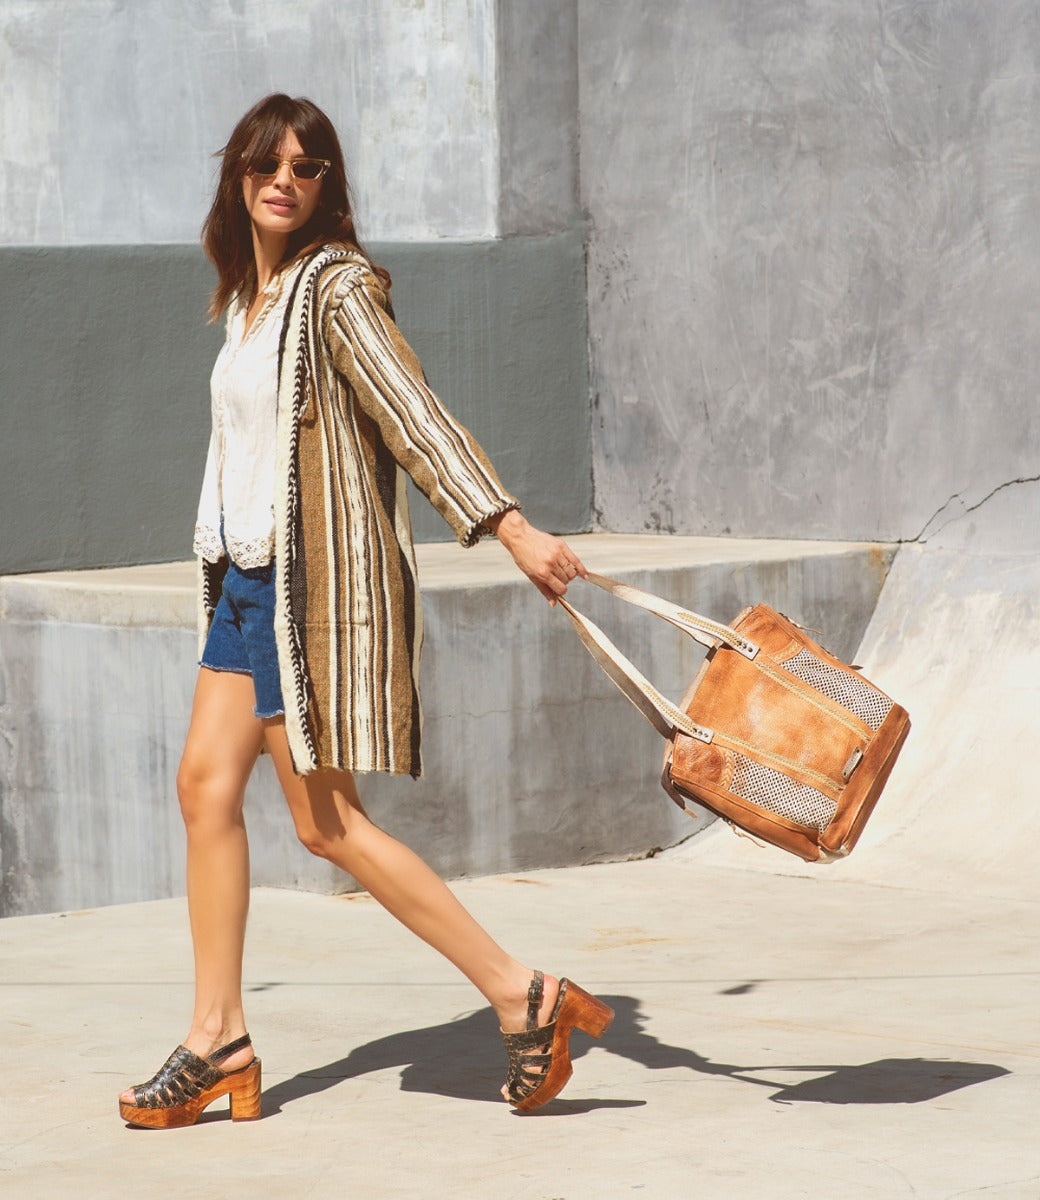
<point x="355" y="414"/>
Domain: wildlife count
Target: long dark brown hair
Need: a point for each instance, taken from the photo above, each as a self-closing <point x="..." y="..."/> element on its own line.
<point x="226" y="233"/>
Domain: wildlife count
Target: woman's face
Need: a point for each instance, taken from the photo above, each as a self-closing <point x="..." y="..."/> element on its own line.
<point x="281" y="203"/>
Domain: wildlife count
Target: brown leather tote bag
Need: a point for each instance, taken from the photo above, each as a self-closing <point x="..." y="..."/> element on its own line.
<point x="775" y="735"/>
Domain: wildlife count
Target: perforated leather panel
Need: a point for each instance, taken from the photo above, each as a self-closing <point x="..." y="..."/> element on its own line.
<point x="780" y="794"/>
<point x="859" y="697"/>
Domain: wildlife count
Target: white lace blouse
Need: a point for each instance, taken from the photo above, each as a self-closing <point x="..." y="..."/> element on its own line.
<point x="240" y="465"/>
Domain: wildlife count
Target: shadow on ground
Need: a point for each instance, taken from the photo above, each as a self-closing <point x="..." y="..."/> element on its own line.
<point x="463" y="1059"/>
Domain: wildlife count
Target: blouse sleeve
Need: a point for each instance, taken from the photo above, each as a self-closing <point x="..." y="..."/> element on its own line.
<point x="439" y="454"/>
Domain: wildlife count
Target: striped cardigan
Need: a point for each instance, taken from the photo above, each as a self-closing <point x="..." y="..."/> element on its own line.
<point x="355" y="415"/>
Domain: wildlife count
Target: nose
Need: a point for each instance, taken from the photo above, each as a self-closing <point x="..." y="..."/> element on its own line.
<point x="283" y="176"/>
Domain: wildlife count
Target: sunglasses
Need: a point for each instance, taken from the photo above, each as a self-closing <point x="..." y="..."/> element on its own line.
<point x="309" y="169"/>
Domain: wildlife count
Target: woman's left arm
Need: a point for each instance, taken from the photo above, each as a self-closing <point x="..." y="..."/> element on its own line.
<point x="439" y="454"/>
<point x="437" y="451"/>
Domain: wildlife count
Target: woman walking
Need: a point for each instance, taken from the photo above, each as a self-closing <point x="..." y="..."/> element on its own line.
<point x="309" y="602"/>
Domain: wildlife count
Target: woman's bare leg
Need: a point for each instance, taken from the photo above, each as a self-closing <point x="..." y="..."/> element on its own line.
<point x="224" y="739"/>
<point x="331" y="822"/>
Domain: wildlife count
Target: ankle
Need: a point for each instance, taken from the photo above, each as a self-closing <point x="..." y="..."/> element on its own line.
<point x="215" y="1030"/>
<point x="512" y="1005"/>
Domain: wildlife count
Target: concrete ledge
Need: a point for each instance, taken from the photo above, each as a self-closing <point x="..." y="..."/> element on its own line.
<point x="532" y="757"/>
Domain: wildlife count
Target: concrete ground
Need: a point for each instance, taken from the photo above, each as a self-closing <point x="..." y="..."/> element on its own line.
<point x="775" y="1036"/>
<point x="867" y="1029"/>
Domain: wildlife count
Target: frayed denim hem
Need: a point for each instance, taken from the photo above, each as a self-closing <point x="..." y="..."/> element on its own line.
<point x="225" y="670"/>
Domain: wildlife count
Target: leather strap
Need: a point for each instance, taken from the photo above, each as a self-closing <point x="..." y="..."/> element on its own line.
<point x="227" y="1051"/>
<point x="702" y="629"/>
<point x="534" y="998"/>
<point x="665" y="716"/>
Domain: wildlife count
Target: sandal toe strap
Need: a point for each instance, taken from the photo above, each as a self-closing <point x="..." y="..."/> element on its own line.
<point x="181" y="1078"/>
<point x="528" y="1059"/>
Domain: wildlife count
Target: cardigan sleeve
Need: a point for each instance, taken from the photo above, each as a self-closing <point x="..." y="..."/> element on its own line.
<point x="438" y="453"/>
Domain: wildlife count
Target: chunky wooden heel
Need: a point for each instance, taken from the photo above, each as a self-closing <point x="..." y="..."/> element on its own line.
<point x="540" y="1058"/>
<point x="186" y="1084"/>
<point x="245" y="1092"/>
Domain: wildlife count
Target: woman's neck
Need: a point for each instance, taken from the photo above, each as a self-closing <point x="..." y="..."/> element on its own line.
<point x="268" y="253"/>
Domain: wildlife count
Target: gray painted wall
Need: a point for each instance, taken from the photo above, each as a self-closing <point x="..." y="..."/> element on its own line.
<point x="458" y="117"/>
<point x="105" y="420"/>
<point x="812" y="226"/>
<point x="814" y="261"/>
<point x="538" y="115"/>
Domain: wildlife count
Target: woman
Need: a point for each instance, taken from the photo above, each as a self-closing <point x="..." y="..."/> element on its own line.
<point x="309" y="602"/>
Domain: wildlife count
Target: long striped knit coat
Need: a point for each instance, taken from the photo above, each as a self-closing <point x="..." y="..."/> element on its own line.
<point x="355" y="414"/>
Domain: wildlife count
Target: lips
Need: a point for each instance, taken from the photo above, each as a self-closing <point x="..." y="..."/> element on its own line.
<point x="280" y="205"/>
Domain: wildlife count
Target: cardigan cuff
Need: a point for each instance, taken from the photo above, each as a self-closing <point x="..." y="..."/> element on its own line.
<point x="471" y="535"/>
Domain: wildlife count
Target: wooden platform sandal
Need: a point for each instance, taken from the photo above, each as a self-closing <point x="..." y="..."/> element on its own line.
<point x="185" y="1084"/>
<point x="540" y="1058"/>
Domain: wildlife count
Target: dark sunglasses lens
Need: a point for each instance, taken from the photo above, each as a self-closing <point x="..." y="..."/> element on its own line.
<point x="307" y="168"/>
<point x="266" y="166"/>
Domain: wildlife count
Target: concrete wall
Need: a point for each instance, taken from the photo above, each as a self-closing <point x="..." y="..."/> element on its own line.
<point x="533" y="758"/>
<point x="465" y="188"/>
<point x="813" y="261"/>
<point x="110" y="112"/>
<point x="105" y="422"/>
<point x="458" y="117"/>
<point x="812" y="226"/>
<point x="538" y="115"/>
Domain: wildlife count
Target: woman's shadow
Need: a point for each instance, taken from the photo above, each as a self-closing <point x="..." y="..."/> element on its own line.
<point x="463" y="1059"/>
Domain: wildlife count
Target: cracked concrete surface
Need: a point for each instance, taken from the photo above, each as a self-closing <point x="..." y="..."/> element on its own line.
<point x="964" y="509"/>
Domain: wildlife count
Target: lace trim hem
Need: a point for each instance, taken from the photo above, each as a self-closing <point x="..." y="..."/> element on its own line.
<point x="207" y="544"/>
<point x="247" y="554"/>
<point x="255" y="552"/>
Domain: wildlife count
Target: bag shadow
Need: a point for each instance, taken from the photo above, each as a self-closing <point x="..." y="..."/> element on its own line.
<point x="463" y="1059"/>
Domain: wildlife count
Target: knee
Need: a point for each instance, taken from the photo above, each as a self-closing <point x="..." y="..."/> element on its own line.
<point x="206" y="800"/>
<point x="329" y="830"/>
<point x="313" y="839"/>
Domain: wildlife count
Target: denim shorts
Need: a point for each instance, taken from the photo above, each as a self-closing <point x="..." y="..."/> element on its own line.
<point x="241" y="636"/>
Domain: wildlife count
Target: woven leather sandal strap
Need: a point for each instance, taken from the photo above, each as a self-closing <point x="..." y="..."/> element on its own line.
<point x="520" y="1044"/>
<point x="523" y="1081"/>
<point x="528" y="1060"/>
<point x="181" y="1078"/>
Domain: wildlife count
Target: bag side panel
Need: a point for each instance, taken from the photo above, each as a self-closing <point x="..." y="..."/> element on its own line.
<point x="737" y="699"/>
<point x="864" y="789"/>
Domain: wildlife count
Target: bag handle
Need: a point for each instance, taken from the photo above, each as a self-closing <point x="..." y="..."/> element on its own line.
<point x="665" y="716"/>
<point x="709" y="633"/>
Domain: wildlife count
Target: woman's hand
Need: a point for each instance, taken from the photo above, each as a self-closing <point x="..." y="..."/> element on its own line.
<point x="546" y="560"/>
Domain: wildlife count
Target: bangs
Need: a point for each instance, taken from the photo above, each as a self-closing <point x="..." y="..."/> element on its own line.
<point x="269" y="134"/>
<point x="262" y="137"/>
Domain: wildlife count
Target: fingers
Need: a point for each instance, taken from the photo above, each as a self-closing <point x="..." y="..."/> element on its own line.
<point x="546" y="560"/>
<point x="564" y="568"/>
<point x="568" y="565"/>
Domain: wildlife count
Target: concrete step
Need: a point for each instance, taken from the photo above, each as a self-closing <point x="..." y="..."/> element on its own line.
<point x="533" y="759"/>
